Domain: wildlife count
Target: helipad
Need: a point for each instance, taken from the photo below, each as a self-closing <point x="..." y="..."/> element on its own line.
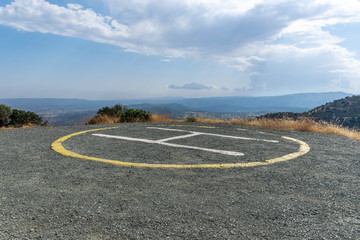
<point x="176" y="133"/>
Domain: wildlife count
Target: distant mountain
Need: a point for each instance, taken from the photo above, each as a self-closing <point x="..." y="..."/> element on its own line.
<point x="56" y="104"/>
<point x="173" y="110"/>
<point x="293" y="102"/>
<point x="70" y="118"/>
<point x="344" y="112"/>
<point x="71" y="111"/>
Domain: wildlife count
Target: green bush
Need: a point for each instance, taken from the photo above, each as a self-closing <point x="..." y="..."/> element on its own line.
<point x="119" y="113"/>
<point x="19" y="118"/>
<point x="135" y="115"/>
<point x="191" y="119"/>
<point x="5" y="113"/>
<point x="114" y="111"/>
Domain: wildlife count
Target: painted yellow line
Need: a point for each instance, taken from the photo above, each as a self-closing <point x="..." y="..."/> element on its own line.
<point x="58" y="147"/>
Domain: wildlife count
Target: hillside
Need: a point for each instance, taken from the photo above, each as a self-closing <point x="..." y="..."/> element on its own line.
<point x="344" y="112"/>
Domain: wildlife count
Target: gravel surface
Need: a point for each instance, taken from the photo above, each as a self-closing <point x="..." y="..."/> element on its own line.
<point x="44" y="195"/>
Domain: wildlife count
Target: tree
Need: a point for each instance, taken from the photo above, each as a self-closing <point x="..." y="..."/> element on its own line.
<point x="118" y="114"/>
<point x="5" y="113"/>
<point x="135" y="115"/>
<point x="114" y="111"/>
<point x="19" y="118"/>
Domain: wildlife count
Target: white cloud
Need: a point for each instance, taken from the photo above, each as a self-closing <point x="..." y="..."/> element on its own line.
<point x="248" y="35"/>
<point x="167" y="60"/>
<point x="241" y="63"/>
<point x="74" y="6"/>
<point x="191" y="86"/>
<point x="73" y="20"/>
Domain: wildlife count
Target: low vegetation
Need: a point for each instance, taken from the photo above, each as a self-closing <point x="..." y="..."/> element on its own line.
<point x="114" y="111"/>
<point x="191" y="119"/>
<point x="119" y="114"/>
<point x="135" y="115"/>
<point x="302" y="124"/>
<point x="305" y="125"/>
<point x="299" y="124"/>
<point x="162" y="118"/>
<point x="18" y="118"/>
<point x="5" y="113"/>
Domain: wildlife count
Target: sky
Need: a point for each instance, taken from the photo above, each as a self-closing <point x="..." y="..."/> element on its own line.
<point x="111" y="49"/>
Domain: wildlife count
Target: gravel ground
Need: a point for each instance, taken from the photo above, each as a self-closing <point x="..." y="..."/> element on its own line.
<point x="44" y="195"/>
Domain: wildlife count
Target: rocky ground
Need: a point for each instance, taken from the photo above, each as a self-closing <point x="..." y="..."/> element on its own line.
<point x="44" y="195"/>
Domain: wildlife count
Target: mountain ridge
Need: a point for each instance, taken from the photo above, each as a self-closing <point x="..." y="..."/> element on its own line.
<point x="59" y="111"/>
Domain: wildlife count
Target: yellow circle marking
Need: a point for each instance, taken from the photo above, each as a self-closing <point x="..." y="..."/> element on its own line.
<point x="58" y="147"/>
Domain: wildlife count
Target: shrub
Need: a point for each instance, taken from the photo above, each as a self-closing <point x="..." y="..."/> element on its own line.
<point x="19" y="118"/>
<point x="108" y="115"/>
<point x="5" y="113"/>
<point x="119" y="113"/>
<point x="102" y="119"/>
<point x="114" y="111"/>
<point x="135" y="115"/>
<point x="161" y="118"/>
<point x="190" y="119"/>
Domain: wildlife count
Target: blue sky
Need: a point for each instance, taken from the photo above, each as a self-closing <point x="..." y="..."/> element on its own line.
<point x="110" y="49"/>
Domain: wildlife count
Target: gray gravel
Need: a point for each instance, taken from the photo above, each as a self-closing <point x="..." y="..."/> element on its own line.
<point x="44" y="195"/>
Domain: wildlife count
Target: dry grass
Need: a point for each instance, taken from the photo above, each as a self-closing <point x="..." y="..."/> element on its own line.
<point x="6" y="128"/>
<point x="23" y="126"/>
<point x="305" y="125"/>
<point x="104" y="119"/>
<point x="334" y="129"/>
<point x="162" y="118"/>
<point x="302" y="124"/>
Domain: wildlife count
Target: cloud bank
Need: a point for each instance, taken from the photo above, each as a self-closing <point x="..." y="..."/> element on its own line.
<point x="286" y="43"/>
<point x="191" y="86"/>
